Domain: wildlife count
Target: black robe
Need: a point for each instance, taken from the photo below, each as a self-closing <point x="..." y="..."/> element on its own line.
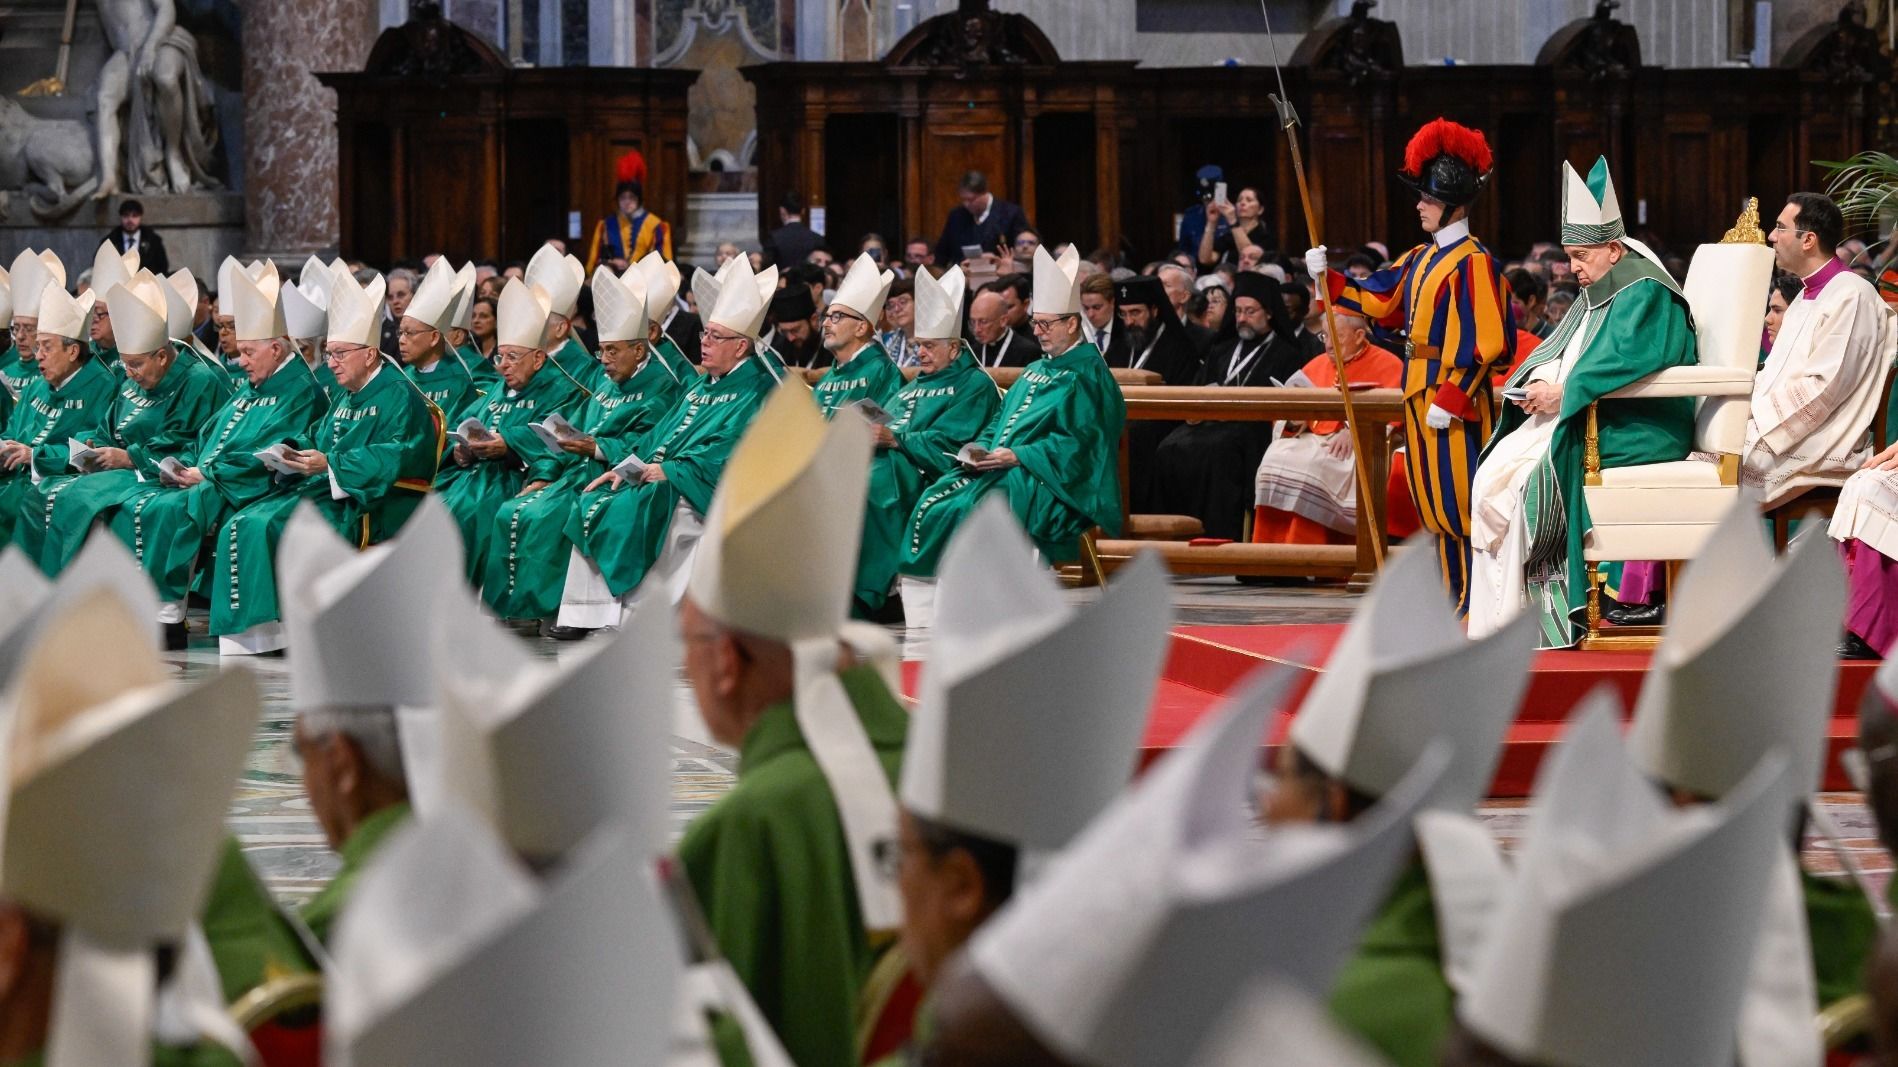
<point x="1168" y="352"/>
<point x="1207" y="470"/>
<point x="812" y="355"/>
<point x="1016" y="349"/>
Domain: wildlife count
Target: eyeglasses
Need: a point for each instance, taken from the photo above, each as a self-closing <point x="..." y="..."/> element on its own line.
<point x="721" y="338"/>
<point x="1779" y="227"/>
<point x="335" y="355"/>
<point x="412" y="333"/>
<point x="20" y="329"/>
<point x="842" y="316"/>
<point x="1044" y="325"/>
<point x="511" y="358"/>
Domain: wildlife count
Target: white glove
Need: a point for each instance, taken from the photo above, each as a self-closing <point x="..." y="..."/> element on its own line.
<point x="1438" y="418"/>
<point x="1316" y="263"/>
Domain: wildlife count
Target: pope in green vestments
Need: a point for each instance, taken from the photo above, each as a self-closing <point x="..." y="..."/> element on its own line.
<point x="623" y="528"/>
<point x="47" y="415"/>
<point x="377" y="451"/>
<point x="527" y="559"/>
<point x="484" y="474"/>
<point x="935" y="415"/>
<point x="144" y="425"/>
<point x="165" y="524"/>
<point x="1062" y="420"/>
<point x="323" y="909"/>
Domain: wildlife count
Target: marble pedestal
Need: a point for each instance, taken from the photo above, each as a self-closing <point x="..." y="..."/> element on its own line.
<point x="713" y="218"/>
<point x="199" y="229"/>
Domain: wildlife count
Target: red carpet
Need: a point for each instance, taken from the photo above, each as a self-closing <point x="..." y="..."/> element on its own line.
<point x="1207" y="662"/>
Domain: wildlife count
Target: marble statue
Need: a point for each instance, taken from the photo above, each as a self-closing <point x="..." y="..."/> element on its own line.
<point x="50" y="161"/>
<point x="153" y="103"/>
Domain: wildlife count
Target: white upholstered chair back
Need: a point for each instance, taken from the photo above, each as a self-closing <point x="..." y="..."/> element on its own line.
<point x="1726" y="291"/>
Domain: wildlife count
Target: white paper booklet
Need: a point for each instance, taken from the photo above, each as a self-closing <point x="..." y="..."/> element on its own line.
<point x="555" y="429"/>
<point x="79" y="454"/>
<point x="273" y="459"/>
<point x="630" y="468"/>
<point x="168" y="470"/>
<point x="471" y="429"/>
<point x="873" y="411"/>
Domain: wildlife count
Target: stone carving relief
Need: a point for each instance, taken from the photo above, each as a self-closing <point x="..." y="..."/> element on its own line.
<point x="49" y="162"/>
<point x="717" y="37"/>
<point x="154" y="119"/>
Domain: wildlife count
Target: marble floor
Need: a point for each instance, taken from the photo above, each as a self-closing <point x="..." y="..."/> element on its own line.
<point x="282" y="840"/>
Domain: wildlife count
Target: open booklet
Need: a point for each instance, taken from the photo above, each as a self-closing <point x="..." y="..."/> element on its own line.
<point x="471" y="429"/>
<point x="79" y="454"/>
<point x="872" y="411"/>
<point x="969" y="456"/>
<point x="273" y="459"/>
<point x="630" y="468"/>
<point x="168" y="470"/>
<point x="555" y="429"/>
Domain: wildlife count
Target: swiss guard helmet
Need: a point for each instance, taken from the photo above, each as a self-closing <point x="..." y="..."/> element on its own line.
<point x="1447" y="162"/>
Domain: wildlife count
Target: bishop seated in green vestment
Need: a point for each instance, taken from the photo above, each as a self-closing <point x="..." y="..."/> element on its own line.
<point x="528" y="554"/>
<point x="367" y="465"/>
<point x="490" y="465"/>
<point x="931" y="418"/>
<point x="860" y="370"/>
<point x="164" y="521"/>
<point x="71" y="398"/>
<point x="167" y="396"/>
<point x="648" y="509"/>
<point x="1052" y="448"/>
<point x="1528" y="515"/>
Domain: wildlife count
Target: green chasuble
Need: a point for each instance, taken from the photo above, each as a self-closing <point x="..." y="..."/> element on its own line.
<point x="936" y="414"/>
<point x="479" y="367"/>
<point x="527" y="560"/>
<point x="623" y="530"/>
<point x="870" y="375"/>
<point x="1392" y="992"/>
<point x="323" y="909"/>
<point x="1843" y="931"/>
<point x="668" y="354"/>
<point x="251" y="942"/>
<point x="475" y="492"/>
<point x="1062" y="418"/>
<point x="44" y="418"/>
<point x="769" y="863"/>
<point x="149" y="425"/>
<point x="447" y="384"/>
<point x="326" y="381"/>
<point x="581" y="367"/>
<point x="17" y="369"/>
<point x="164" y="525"/>
<point x="226" y="382"/>
<point x="1633" y="323"/>
<point x="108" y="357"/>
<point x="382" y="443"/>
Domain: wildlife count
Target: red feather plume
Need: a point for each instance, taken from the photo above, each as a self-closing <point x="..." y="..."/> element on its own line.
<point x="1442" y="135"/>
<point x="631" y="167"/>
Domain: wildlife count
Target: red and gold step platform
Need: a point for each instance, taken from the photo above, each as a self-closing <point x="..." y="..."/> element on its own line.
<point x="1207" y="662"/>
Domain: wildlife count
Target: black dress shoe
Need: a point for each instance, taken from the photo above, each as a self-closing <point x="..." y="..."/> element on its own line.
<point x="565" y="633"/>
<point x="1852" y="646"/>
<point x="1635" y="614"/>
<point x="175" y="637"/>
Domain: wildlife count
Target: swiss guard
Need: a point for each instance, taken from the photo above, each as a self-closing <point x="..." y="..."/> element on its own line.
<point x="1447" y="296"/>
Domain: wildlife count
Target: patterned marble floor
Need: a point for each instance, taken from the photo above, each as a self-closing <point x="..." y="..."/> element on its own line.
<point x="282" y="840"/>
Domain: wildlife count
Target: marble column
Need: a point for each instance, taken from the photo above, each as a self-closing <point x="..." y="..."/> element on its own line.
<point x="290" y="118"/>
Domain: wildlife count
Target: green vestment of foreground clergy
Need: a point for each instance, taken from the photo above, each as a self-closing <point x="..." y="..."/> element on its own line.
<point x="1062" y="418"/>
<point x="870" y="375"/>
<point x="622" y="530"/>
<point x="527" y="559"/>
<point x="149" y="424"/>
<point x="448" y="385"/>
<point x="770" y="865"/>
<point x="1633" y="322"/>
<point x="164" y="525"/>
<point x="475" y="492"/>
<point x="44" y="419"/>
<point x="1843" y="931"/>
<point x="581" y="367"/>
<point x="382" y="444"/>
<point x="1392" y="992"/>
<point x="251" y="942"/>
<point x="323" y="909"/>
<point x="936" y="414"/>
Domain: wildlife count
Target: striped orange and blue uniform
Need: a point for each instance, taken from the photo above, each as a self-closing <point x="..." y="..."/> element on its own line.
<point x="1452" y="303"/>
<point x="629" y="238"/>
